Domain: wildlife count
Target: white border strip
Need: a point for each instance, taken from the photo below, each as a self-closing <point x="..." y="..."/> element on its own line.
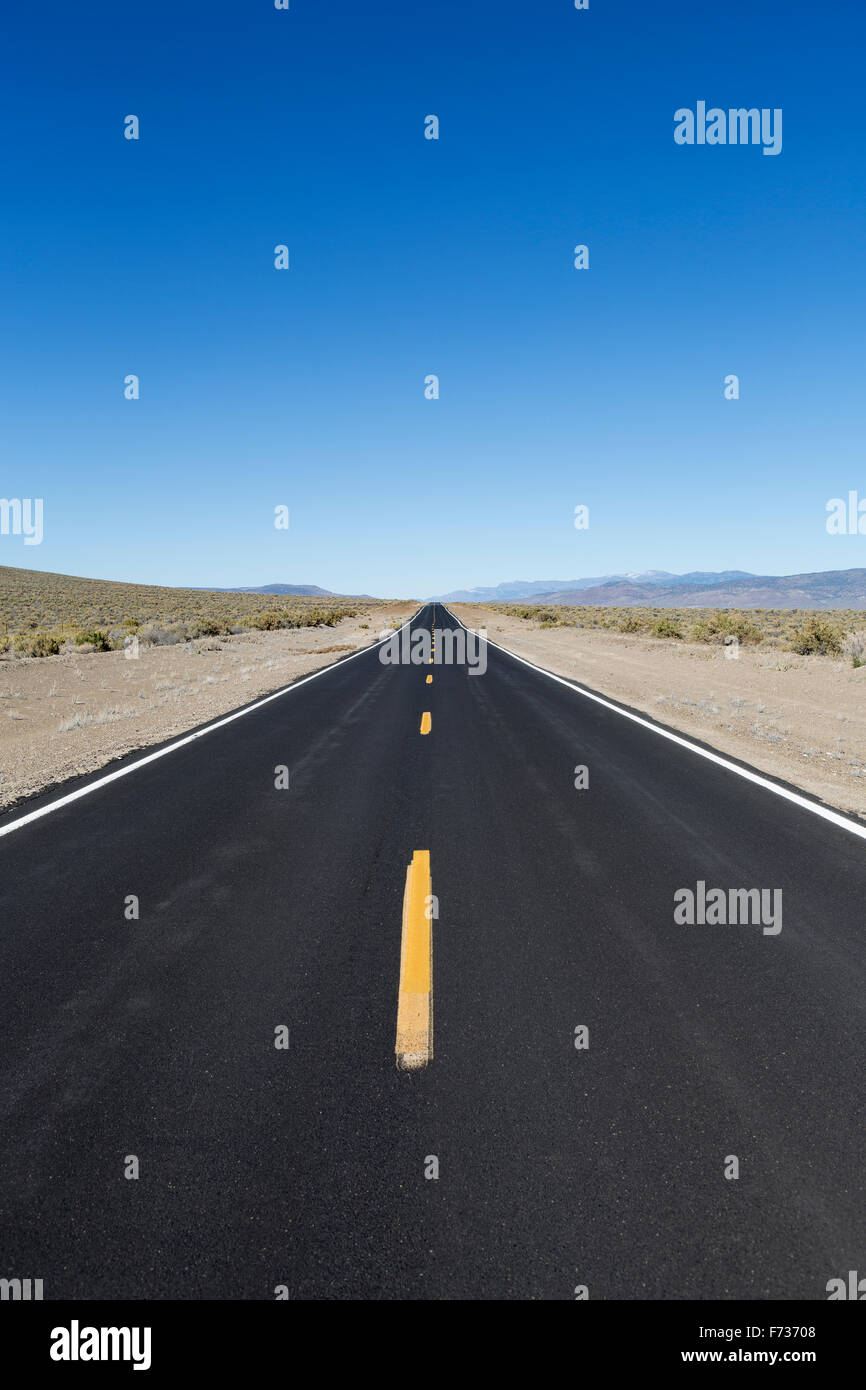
<point x="189" y="738"/>
<point x="834" y="817"/>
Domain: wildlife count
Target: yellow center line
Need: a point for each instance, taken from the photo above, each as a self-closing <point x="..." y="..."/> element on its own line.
<point x="426" y="722"/>
<point x="414" y="1045"/>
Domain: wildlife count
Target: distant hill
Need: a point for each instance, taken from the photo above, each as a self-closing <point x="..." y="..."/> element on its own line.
<point x="38" y="600"/>
<point x="821" y="590"/>
<point x="530" y="589"/>
<point x="312" y="589"/>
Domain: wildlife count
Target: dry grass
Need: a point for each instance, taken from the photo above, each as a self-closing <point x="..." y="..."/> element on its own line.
<point x="41" y="614"/>
<point x="786" y="629"/>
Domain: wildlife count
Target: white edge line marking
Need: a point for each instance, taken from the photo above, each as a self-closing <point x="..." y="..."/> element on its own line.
<point x="834" y="817"/>
<point x="189" y="738"/>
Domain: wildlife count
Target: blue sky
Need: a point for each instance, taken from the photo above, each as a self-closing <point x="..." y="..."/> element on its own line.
<point x="409" y="257"/>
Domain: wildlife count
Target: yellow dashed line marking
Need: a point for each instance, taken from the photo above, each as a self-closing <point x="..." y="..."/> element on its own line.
<point x="414" y="1046"/>
<point x="426" y="722"/>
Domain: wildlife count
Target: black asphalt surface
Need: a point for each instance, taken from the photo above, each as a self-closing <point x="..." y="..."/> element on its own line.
<point x="305" y="1168"/>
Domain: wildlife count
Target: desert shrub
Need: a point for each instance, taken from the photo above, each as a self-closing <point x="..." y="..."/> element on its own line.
<point x="708" y="630"/>
<point x="717" y="626"/>
<point x="854" y="645"/>
<point x="549" y="617"/>
<point x="326" y="617"/>
<point x="665" y="628"/>
<point x="742" y="628"/>
<point x="631" y="622"/>
<point x="817" y="636"/>
<point x="207" y="627"/>
<point x="158" y="636"/>
<point x="37" y="644"/>
<point x="95" y="638"/>
<point x="268" y="622"/>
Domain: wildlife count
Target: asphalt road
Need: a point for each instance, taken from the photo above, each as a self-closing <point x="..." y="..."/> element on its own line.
<point x="305" y="1167"/>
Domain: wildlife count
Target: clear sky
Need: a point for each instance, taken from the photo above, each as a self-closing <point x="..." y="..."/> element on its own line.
<point x="409" y="257"/>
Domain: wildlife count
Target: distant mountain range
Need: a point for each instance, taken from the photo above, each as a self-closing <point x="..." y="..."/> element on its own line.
<point x="651" y="589"/>
<point x="522" y="588"/>
<point x="698" y="589"/>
